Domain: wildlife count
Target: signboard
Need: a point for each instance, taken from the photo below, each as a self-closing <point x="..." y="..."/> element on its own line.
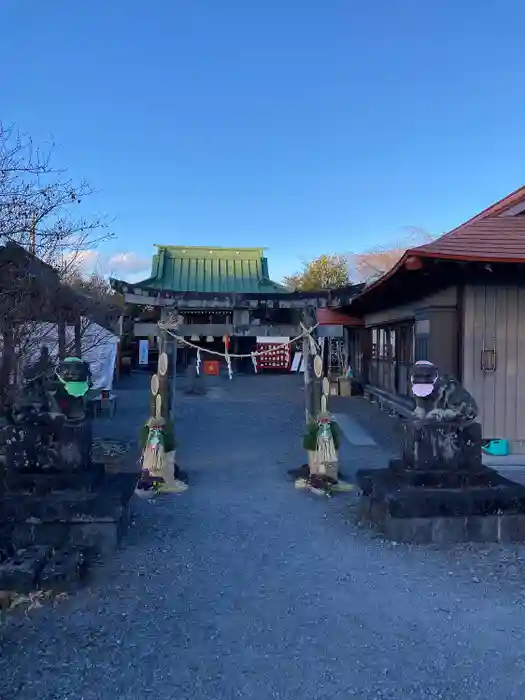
<point x="144" y="351"/>
<point x="273" y="339"/>
<point x="297" y="361"/>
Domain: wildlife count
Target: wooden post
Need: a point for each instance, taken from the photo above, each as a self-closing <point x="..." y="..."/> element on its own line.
<point x="312" y="385"/>
<point x="61" y="326"/>
<point x="118" y="360"/>
<point x="78" y="339"/>
<point x="164" y="376"/>
<point x="7" y="361"/>
<point x="173" y="386"/>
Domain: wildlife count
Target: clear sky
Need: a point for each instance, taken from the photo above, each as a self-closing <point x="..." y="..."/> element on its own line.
<point x="306" y="126"/>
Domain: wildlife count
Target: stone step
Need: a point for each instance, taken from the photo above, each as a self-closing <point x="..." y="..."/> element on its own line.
<point x="45" y="482"/>
<point x="42" y="567"/>
<point x="502" y="528"/>
<point x="93" y="521"/>
<point x="21" y="572"/>
<point x="402" y="500"/>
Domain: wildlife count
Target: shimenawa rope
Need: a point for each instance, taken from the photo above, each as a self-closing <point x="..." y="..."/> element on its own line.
<point x="225" y="355"/>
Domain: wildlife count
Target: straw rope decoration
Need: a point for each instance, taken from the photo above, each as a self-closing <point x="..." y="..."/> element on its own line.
<point x="225" y="355"/>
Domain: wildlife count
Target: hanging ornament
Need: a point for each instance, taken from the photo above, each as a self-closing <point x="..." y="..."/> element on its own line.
<point x="254" y="362"/>
<point x="163" y="364"/>
<point x="153" y="453"/>
<point x="226" y="340"/>
<point x="154" y="384"/>
<point x="209" y="339"/>
<point x="325" y="449"/>
<point x="198" y="363"/>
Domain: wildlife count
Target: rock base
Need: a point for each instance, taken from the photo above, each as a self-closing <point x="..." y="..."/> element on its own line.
<point x="47" y="541"/>
<point x="441" y="506"/>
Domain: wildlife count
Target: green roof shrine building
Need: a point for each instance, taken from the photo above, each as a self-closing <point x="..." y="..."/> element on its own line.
<point x="200" y="269"/>
<point x="218" y="292"/>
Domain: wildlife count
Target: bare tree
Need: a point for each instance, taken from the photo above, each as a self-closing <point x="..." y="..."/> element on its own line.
<point x="38" y="202"/>
<point x="375" y="262"/>
<point x="39" y="210"/>
<point x="95" y="330"/>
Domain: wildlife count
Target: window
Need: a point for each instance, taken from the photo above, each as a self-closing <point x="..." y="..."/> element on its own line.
<point x="383" y="351"/>
<point x="375" y="342"/>
<point x="392" y="353"/>
<point x="405" y="343"/>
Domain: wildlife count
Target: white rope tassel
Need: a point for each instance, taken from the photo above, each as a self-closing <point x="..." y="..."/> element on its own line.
<point x="153" y="460"/>
<point x="254" y="362"/>
<point x="198" y="363"/>
<point x="326" y="452"/>
<point x="306" y="332"/>
<point x="229" y="363"/>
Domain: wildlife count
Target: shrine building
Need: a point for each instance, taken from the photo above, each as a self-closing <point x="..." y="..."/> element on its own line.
<point x="222" y="295"/>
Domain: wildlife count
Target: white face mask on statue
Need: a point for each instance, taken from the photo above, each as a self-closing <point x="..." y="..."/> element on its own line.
<point x="422" y="390"/>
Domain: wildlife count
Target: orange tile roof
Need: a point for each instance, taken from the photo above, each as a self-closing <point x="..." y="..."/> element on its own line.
<point x="486" y="237"/>
<point x="511" y="200"/>
<point x="498" y="239"/>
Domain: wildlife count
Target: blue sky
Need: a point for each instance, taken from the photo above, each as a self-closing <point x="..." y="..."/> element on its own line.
<point x="306" y="126"/>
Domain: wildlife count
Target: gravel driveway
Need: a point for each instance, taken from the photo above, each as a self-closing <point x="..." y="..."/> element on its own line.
<point x="245" y="588"/>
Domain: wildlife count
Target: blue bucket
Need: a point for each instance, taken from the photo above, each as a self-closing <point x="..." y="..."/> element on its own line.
<point x="496" y="448"/>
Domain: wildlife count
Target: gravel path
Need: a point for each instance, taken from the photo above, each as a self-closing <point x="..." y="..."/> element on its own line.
<point x="245" y="588"/>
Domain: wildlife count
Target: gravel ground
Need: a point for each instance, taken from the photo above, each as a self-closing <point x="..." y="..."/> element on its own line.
<point x="384" y="429"/>
<point x="245" y="588"/>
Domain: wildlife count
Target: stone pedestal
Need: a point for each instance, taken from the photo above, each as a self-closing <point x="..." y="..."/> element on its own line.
<point x="53" y="496"/>
<point x="439" y="491"/>
<point x="74" y="441"/>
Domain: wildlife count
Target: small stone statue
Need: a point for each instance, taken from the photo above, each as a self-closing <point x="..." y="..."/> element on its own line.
<point x="42" y="368"/>
<point x="34" y="403"/>
<point x="440" y="397"/>
<point x="443" y="433"/>
<point x="74" y="381"/>
<point x="38" y="377"/>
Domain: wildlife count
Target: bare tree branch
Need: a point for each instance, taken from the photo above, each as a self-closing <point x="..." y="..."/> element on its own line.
<point x="40" y="210"/>
<point x="376" y="262"/>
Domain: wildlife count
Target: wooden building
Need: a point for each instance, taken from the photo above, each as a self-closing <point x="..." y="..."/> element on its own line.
<point x="460" y="303"/>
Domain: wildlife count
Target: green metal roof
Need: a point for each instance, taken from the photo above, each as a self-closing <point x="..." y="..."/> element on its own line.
<point x="201" y="269"/>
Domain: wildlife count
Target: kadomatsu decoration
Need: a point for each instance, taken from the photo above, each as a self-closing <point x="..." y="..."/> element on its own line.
<point x="154" y="450"/>
<point x="321" y="427"/>
<point x="159" y="471"/>
<point x="321" y="441"/>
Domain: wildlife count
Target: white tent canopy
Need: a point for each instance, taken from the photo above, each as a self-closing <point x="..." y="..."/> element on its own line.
<point x="99" y="348"/>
